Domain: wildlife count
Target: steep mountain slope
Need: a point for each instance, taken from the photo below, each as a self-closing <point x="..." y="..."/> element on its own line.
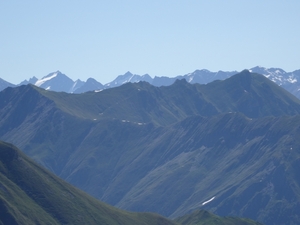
<point x="126" y="78"/>
<point x="168" y="149"/>
<point x="90" y="85"/>
<point x="245" y="167"/>
<point x="31" y="195"/>
<point x="4" y="84"/>
<point x="56" y="82"/>
<point x="31" y="80"/>
<point x="202" y="217"/>
<point x="252" y="94"/>
<point x="287" y="80"/>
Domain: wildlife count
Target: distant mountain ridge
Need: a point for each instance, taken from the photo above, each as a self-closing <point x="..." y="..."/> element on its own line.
<point x="4" y="84"/>
<point x="57" y="81"/>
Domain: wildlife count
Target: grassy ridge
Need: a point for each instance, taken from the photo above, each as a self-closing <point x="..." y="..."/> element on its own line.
<point x="30" y="195"/>
<point x="202" y="217"/>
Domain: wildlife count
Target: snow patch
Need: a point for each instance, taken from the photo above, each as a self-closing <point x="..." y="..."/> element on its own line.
<point x="204" y="203"/>
<point x="138" y="123"/>
<point x="291" y="79"/>
<point x="43" y="80"/>
<point x="127" y="81"/>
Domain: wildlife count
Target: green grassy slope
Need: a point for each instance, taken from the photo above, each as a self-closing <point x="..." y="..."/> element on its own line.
<point x="202" y="217"/>
<point x="30" y="195"/>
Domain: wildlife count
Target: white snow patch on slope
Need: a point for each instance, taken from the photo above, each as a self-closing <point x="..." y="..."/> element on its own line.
<point x="204" y="203"/>
<point x="127" y="81"/>
<point x="291" y="79"/>
<point x="41" y="81"/>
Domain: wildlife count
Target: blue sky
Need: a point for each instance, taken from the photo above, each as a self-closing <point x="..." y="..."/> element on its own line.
<point x="103" y="39"/>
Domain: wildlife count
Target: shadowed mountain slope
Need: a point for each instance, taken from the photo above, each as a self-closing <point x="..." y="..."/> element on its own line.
<point x="251" y="94"/>
<point x="31" y="195"/>
<point x="4" y="84"/>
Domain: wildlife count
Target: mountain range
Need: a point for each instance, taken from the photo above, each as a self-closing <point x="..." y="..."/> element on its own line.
<point x="230" y="146"/>
<point x="58" y="81"/>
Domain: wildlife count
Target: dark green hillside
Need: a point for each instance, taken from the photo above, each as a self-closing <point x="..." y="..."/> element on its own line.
<point x="202" y="217"/>
<point x="30" y="195"/>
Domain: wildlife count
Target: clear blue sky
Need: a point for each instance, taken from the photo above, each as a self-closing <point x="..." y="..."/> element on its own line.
<point x="103" y="39"/>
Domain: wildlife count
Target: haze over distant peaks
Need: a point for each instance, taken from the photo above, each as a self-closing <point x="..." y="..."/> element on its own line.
<point x="57" y="81"/>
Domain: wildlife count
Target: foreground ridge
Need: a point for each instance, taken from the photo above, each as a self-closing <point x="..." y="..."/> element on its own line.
<point x="31" y="195"/>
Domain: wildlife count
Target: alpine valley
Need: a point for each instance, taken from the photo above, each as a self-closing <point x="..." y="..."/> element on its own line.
<point x="29" y="194"/>
<point x="229" y="146"/>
